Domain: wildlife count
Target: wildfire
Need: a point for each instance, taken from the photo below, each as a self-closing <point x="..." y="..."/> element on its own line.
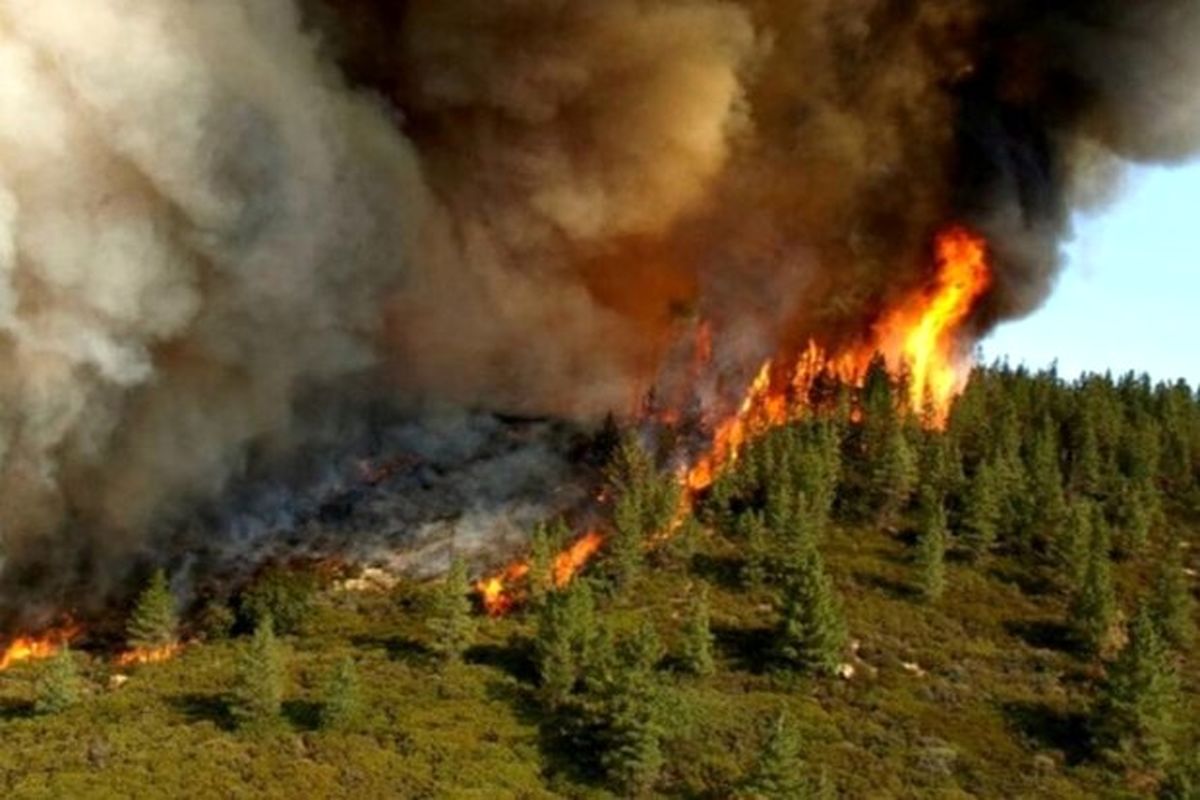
<point x="922" y="336"/>
<point x="495" y="592"/>
<point x="920" y="339"/>
<point x="149" y="655"/>
<point x="30" y="648"/>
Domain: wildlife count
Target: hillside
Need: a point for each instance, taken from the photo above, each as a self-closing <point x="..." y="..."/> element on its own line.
<point x="1001" y="609"/>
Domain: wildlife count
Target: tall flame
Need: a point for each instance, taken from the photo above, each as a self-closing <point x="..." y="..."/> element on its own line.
<point x="923" y="335"/>
<point x="920" y="339"/>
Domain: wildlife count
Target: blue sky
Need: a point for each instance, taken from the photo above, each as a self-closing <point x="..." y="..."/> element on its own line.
<point x="1129" y="297"/>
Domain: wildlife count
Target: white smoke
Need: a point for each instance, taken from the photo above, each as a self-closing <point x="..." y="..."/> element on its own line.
<point x="197" y="221"/>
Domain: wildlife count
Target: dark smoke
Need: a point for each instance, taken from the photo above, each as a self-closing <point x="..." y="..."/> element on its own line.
<point x="225" y="227"/>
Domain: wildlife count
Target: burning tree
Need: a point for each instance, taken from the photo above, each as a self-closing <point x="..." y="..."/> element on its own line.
<point x="153" y="628"/>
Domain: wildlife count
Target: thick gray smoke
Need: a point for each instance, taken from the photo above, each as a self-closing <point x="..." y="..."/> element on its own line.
<point x="224" y="222"/>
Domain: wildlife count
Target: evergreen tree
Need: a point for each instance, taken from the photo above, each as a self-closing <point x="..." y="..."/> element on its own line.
<point x="541" y="565"/>
<point x="451" y="626"/>
<point x="779" y="772"/>
<point x="982" y="512"/>
<point x="1086" y="466"/>
<point x="154" y="622"/>
<point x="894" y="475"/>
<point x="931" y="553"/>
<point x="697" y="648"/>
<point x="259" y="681"/>
<point x="1134" y="713"/>
<point x="630" y="716"/>
<point x="753" y="531"/>
<point x="811" y="633"/>
<point x="1094" y="606"/>
<point x="58" y="687"/>
<point x="1049" y="511"/>
<point x="1071" y="548"/>
<point x="566" y="628"/>
<point x="626" y="548"/>
<point x="343" y="699"/>
<point x="1172" y="604"/>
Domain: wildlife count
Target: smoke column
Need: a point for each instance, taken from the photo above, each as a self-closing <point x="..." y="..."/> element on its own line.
<point x="224" y="222"/>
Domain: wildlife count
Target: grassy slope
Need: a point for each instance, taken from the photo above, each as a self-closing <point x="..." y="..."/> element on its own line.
<point x="995" y="714"/>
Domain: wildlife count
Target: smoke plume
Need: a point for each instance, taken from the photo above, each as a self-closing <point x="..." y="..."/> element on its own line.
<point x="227" y="225"/>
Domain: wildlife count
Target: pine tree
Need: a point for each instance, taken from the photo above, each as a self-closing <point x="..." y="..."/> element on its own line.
<point x="931" y="553"/>
<point x="154" y="622"/>
<point x="1094" y="606"/>
<point x="779" y="772"/>
<point x="451" y="626"/>
<point x="565" y="631"/>
<point x="1049" y="511"/>
<point x="753" y="531"/>
<point x="697" y="648"/>
<point x="58" y="687"/>
<point x="343" y="698"/>
<point x="894" y="475"/>
<point x="259" y="682"/>
<point x="541" y="565"/>
<point x="626" y="549"/>
<point x="1134" y="713"/>
<point x="982" y="513"/>
<point x="630" y="716"/>
<point x="1172" y="604"/>
<point x="811" y="633"/>
<point x="1071" y="548"/>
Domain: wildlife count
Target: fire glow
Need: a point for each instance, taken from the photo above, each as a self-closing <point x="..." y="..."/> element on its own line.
<point x="149" y="655"/>
<point x="920" y="339"/>
<point x="34" y="648"/>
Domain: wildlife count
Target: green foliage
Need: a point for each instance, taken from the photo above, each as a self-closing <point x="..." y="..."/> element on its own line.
<point x="284" y="595"/>
<point x="342" y="708"/>
<point x="1094" y="605"/>
<point x="451" y="625"/>
<point x="563" y="644"/>
<point x="752" y="530"/>
<point x="983" y="511"/>
<point x="646" y="503"/>
<point x="216" y="621"/>
<point x="931" y="548"/>
<point x="58" y="686"/>
<point x="811" y="633"/>
<point x="894" y="475"/>
<point x="627" y="709"/>
<point x="696" y="652"/>
<point x="1172" y="604"/>
<point x="1134" y="714"/>
<point x="779" y="772"/>
<point x="154" y="622"/>
<point x="259" y="678"/>
<point x="541" y="564"/>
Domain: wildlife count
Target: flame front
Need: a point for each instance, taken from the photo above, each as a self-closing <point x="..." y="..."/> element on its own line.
<point x="920" y="339"/>
<point x="149" y="655"/>
<point x="31" y="648"/>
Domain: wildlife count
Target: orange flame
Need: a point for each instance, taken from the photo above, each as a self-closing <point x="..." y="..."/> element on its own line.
<point x="923" y="335"/>
<point x="149" y="655"/>
<point x="920" y="338"/>
<point x="31" y="648"/>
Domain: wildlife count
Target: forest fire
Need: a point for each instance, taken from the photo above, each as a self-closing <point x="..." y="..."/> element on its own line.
<point x="495" y="593"/>
<point x="149" y="655"/>
<point x="42" y="646"/>
<point x="919" y="340"/>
